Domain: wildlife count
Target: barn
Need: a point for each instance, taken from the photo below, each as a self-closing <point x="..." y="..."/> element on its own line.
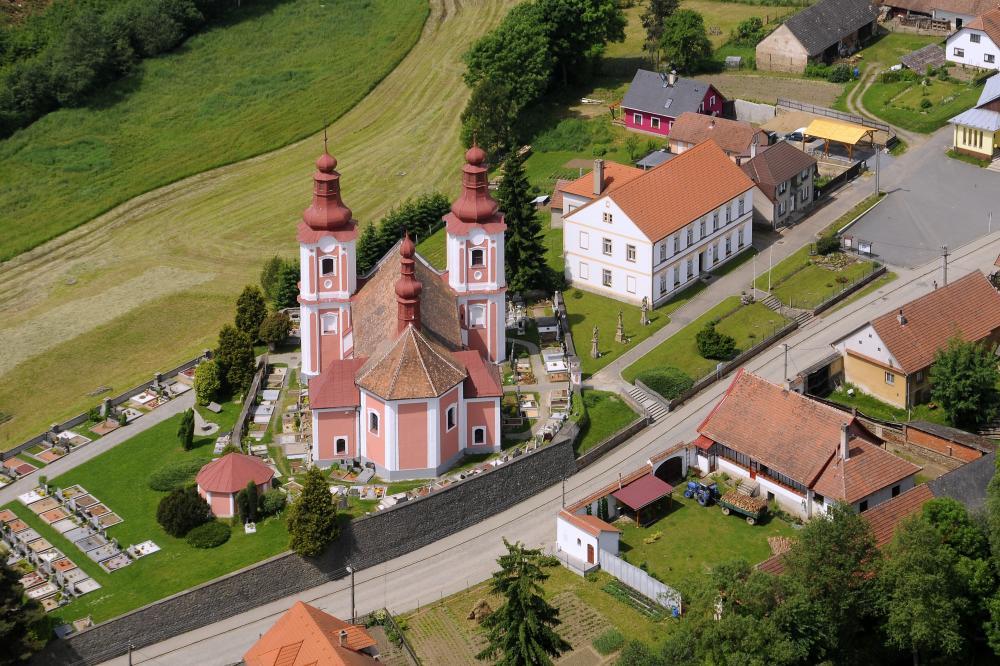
<point x="821" y="33"/>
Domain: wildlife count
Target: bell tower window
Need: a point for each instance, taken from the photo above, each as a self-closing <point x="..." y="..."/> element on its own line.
<point x="478" y="258"/>
<point x="329" y="323"/>
<point x="328" y="266"/>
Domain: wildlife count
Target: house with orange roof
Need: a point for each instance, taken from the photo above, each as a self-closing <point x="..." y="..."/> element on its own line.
<point x="605" y="177"/>
<point x="220" y="480"/>
<point x="306" y="636"/>
<point x="977" y="43"/>
<point x="658" y="232"/>
<point x="890" y="357"/>
<point x="803" y="454"/>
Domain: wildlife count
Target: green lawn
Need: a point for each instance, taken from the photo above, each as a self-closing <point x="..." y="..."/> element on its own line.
<point x="875" y="408"/>
<point x="891" y="46"/>
<point x="607" y="414"/>
<point x="899" y="103"/>
<point x="872" y="286"/>
<point x="748" y="324"/>
<point x="800" y="282"/>
<point x="118" y="479"/>
<point x="694" y="539"/>
<point x="258" y="82"/>
<point x="850" y="215"/>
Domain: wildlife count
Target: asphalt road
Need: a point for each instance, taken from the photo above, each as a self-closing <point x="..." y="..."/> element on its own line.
<point x="468" y="557"/>
<point x="933" y="201"/>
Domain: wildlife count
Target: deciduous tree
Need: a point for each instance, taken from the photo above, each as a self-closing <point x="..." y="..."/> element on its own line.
<point x="207" y="382"/>
<point x="685" y="42"/>
<point x="19" y="618"/>
<point x="251" y="310"/>
<point x="269" y="276"/>
<point x="312" y="518"/>
<point x="579" y="31"/>
<point x="964" y="381"/>
<point x="652" y="20"/>
<point x="490" y="117"/>
<point x="522" y="631"/>
<point x="524" y="250"/>
<point x="275" y="328"/>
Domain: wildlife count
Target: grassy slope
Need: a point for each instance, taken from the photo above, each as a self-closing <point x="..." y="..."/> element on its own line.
<point x="401" y="140"/>
<point x="211" y="102"/>
<point x="177" y="566"/>
<point x="607" y="414"/>
<point x="797" y="282"/>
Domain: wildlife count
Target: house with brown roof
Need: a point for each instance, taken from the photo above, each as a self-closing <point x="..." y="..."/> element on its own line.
<point x="306" y="636"/>
<point x="977" y="43"/>
<point x="890" y="357"/>
<point x="656" y="233"/>
<point x="738" y="139"/>
<point x="605" y="177"/>
<point x="783" y="178"/>
<point x="957" y="13"/>
<point x="822" y="32"/>
<point x="803" y="454"/>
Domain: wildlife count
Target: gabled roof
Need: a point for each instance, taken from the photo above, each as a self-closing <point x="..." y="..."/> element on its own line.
<point x="592" y="525"/>
<point x="828" y="21"/>
<point x="867" y="470"/>
<point x="231" y="472"/>
<point x="733" y="136"/>
<point x="642" y="492"/>
<point x="886" y="516"/>
<point x="983" y="119"/>
<point x="991" y="91"/>
<point x="335" y="386"/>
<point x="615" y="175"/>
<point x="964" y="7"/>
<point x="968" y="307"/>
<point x="306" y="636"/>
<point x="971" y="440"/>
<point x="932" y="54"/>
<point x="988" y="22"/>
<point x="412" y="367"/>
<point x="557" y="196"/>
<point x="967" y="484"/>
<point x="648" y="92"/>
<point x="777" y="164"/>
<point x="674" y="194"/>
<point x="483" y="380"/>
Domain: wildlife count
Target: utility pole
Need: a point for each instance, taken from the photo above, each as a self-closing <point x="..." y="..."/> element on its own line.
<point x="944" y="257"/>
<point x="877" y="151"/>
<point x="786" y="361"/>
<point x="770" y="265"/>
<point x="130" y="648"/>
<point x="564" y="492"/>
<point x="354" y="613"/>
<point x="753" y="280"/>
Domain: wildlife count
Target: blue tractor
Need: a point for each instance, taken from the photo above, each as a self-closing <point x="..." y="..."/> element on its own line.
<point x="704" y="494"/>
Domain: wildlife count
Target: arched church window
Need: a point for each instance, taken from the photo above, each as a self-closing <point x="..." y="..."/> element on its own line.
<point x="328" y="266"/>
<point x="373" y="422"/>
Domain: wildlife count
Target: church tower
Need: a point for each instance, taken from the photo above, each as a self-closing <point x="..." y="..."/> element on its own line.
<point x="475" y="230"/>
<point x="327" y="239"/>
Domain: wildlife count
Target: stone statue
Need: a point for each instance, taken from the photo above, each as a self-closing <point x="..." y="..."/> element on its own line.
<point x="620" y="329"/>
<point x="595" y="351"/>
<point x="645" y="312"/>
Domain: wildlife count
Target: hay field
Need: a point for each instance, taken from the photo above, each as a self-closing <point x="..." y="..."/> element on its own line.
<point x="215" y="229"/>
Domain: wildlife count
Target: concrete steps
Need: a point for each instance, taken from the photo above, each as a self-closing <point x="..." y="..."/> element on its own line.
<point x="652" y="405"/>
<point x="802" y="317"/>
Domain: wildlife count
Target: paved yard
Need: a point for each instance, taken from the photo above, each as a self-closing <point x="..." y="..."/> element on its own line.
<point x="933" y="201"/>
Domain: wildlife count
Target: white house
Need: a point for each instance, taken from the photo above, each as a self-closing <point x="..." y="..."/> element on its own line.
<point x="583" y="536"/>
<point x="977" y="43"/>
<point x="655" y="234"/>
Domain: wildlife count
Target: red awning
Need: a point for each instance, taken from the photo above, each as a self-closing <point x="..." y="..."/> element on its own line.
<point x="642" y="492"/>
<point x="703" y="443"/>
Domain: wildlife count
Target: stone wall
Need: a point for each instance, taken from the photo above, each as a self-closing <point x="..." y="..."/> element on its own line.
<point x="363" y="543"/>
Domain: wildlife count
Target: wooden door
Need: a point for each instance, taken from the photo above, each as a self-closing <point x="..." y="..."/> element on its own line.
<point x="590" y="553"/>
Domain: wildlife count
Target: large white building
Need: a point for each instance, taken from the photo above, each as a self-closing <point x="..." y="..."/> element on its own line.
<point x="654" y="235"/>
<point x="977" y="43"/>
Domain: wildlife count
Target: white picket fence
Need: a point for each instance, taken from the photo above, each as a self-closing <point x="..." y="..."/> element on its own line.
<point x="640" y="581"/>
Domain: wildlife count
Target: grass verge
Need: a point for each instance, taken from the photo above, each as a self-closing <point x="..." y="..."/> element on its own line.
<point x="872" y="406"/>
<point x="982" y="163"/>
<point x="607" y="413"/>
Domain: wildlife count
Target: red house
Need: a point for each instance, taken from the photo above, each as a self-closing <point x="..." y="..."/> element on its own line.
<point x="654" y="101"/>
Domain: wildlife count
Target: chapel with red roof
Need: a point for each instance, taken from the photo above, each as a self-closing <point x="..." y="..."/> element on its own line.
<point x="402" y="362"/>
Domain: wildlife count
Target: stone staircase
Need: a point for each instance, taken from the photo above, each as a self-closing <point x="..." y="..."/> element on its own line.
<point x="995" y="165"/>
<point x="655" y="408"/>
<point x="801" y="317"/>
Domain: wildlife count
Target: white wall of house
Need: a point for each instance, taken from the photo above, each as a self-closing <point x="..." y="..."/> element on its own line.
<point x="951" y="17"/>
<point x="885" y="494"/>
<point x="573" y="541"/>
<point x="605" y="251"/>
<point x="573" y="201"/>
<point x="963" y="50"/>
<point x="866" y="341"/>
<point x="788" y="499"/>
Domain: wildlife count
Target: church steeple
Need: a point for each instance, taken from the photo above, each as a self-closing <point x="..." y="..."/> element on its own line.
<point x="327" y="211"/>
<point x="475" y="205"/>
<point x="408" y="289"/>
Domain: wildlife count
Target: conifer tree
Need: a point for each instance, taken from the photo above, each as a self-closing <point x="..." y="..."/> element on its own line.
<point x="251" y="309"/>
<point x="18" y="616"/>
<point x="524" y="251"/>
<point x="312" y="519"/>
<point x="185" y="432"/>
<point x="235" y="358"/>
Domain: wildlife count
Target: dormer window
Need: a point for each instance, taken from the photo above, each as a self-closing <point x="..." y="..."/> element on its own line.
<point x="327" y="266"/>
<point x="478" y="258"/>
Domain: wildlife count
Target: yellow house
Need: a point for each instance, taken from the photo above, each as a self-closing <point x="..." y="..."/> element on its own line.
<point x="977" y="131"/>
<point x="890" y="357"/>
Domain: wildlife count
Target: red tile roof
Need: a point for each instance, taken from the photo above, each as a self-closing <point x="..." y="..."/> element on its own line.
<point x="884" y="517"/>
<point x="642" y="492"/>
<point x="231" y="472"/>
<point x="590" y="524"/>
<point x="306" y="636"/>
<point x="335" y="386"/>
<point x="733" y="136"/>
<point x="988" y="22"/>
<point x="484" y="377"/>
<point x="968" y="307"/>
<point x="413" y="367"/>
<point x="615" y="175"/>
<point x="867" y="470"/>
<point x="557" y="196"/>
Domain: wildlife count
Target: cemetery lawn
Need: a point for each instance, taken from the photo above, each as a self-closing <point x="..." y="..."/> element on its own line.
<point x="607" y="414"/>
<point x="118" y="478"/>
<point x="799" y="282"/>
<point x="144" y="285"/>
<point x="693" y="539"/>
<point x="748" y="324"/>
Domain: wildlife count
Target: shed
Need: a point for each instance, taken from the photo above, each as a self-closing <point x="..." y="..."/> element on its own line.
<point x="220" y="480"/>
<point x="847" y="134"/>
<point x="654" y="159"/>
<point x="582" y="537"/>
<point x="643" y="494"/>
<point x="819" y="33"/>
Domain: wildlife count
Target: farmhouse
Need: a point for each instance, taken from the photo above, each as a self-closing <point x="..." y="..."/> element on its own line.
<point x="783" y="179"/>
<point x="220" y="480"/>
<point x="658" y="232"/>
<point x="739" y="140"/>
<point x="822" y="32"/>
<point x="890" y="357"/>
<point x="956" y="12"/>
<point x="977" y="43"/>
<point x="603" y="179"/>
<point x="402" y="362"/>
<point x="306" y="636"/>
<point x="654" y="101"/>
<point x="804" y="454"/>
<point x="977" y="131"/>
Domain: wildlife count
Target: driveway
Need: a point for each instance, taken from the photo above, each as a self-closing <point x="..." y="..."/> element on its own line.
<point x="933" y="201"/>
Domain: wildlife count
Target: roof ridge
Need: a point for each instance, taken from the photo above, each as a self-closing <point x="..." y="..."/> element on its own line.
<point x="399" y="361"/>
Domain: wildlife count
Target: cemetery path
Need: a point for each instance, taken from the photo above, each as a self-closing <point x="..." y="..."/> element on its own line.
<point x="98" y="446"/>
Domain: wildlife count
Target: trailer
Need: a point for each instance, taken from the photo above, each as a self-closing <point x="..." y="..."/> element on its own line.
<point x="753" y="508"/>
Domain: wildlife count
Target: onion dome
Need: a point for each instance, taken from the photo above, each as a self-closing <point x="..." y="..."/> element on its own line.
<point x="475" y="205"/>
<point x="408" y="288"/>
<point x="327" y="211"/>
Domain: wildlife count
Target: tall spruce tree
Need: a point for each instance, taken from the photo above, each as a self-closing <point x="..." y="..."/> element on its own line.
<point x="524" y="251"/>
<point x="522" y="631"/>
<point x="235" y="358"/>
<point x="18" y="617"/>
<point x="185" y="431"/>
<point x="251" y="309"/>
<point x="312" y="518"/>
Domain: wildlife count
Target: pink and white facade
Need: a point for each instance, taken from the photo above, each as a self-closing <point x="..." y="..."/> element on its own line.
<point x="410" y="394"/>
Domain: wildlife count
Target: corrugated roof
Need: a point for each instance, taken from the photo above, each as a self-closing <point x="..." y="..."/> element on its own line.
<point x="835" y="130"/>
<point x="733" y="136"/>
<point x="306" y="636"/>
<point x="828" y="21"/>
<point x="991" y="90"/>
<point x="779" y="163"/>
<point x="983" y="119"/>
<point x="232" y="472"/>
<point x="648" y="93"/>
<point x="968" y="307"/>
<point x="642" y="492"/>
<point x="932" y="54"/>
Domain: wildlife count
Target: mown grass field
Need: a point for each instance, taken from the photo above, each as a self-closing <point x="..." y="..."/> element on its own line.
<point x="899" y="103"/>
<point x="607" y="413"/>
<point x="180" y="255"/>
<point x="268" y="76"/>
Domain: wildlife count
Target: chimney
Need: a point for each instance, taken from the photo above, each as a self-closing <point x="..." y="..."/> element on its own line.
<point x="753" y="146"/>
<point x="598" y="177"/>
<point x="711" y="123"/>
<point x="845" y="447"/>
<point x="901" y="318"/>
<point x="672" y="78"/>
<point x="342" y="636"/>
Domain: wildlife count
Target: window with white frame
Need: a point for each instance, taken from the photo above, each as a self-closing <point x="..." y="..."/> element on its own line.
<point x="451" y="418"/>
<point x="782" y="187"/>
<point x="584" y="270"/>
<point x="663" y="251"/>
<point x="690" y="268"/>
<point x="607" y="217"/>
<point x="654" y="122"/>
<point x="340" y="446"/>
<point x="690" y="236"/>
<point x="327" y="266"/>
<point x="715" y="221"/>
<point x="373" y="422"/>
<point x="477" y="316"/>
<point x="606" y="277"/>
<point x="677" y="244"/>
<point x="781" y="207"/>
<point x="739" y="238"/>
<point x="479" y="436"/>
<point x="890" y="378"/>
<point x="711" y="100"/>
<point x="637" y="119"/>
<point x="677" y="276"/>
<point x="477" y="257"/>
<point x="959" y="53"/>
<point x="630" y="284"/>
<point x="607" y="246"/>
<point x="701" y="228"/>
<point x="742" y="206"/>
<point x="584" y="240"/>
<point x="974" y="37"/>
<point x="630" y="253"/>
<point x="990" y="58"/>
<point x="663" y="283"/>
<point x="805" y="173"/>
<point x="729" y="213"/>
<point x="729" y="245"/>
<point x="329" y="323"/>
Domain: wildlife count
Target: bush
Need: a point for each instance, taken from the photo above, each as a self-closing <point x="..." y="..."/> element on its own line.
<point x="272" y="502"/>
<point x="925" y="103"/>
<point x="715" y="345"/>
<point x="840" y="74"/>
<point x="209" y="535"/>
<point x="608" y="642"/>
<point x="828" y="244"/>
<point x="668" y="381"/>
<point x="817" y="70"/>
<point x="570" y="134"/>
<point x="181" y="511"/>
<point x="176" y="475"/>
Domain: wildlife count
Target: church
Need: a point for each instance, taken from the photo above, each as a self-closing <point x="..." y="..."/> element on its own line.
<point x="402" y="362"/>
